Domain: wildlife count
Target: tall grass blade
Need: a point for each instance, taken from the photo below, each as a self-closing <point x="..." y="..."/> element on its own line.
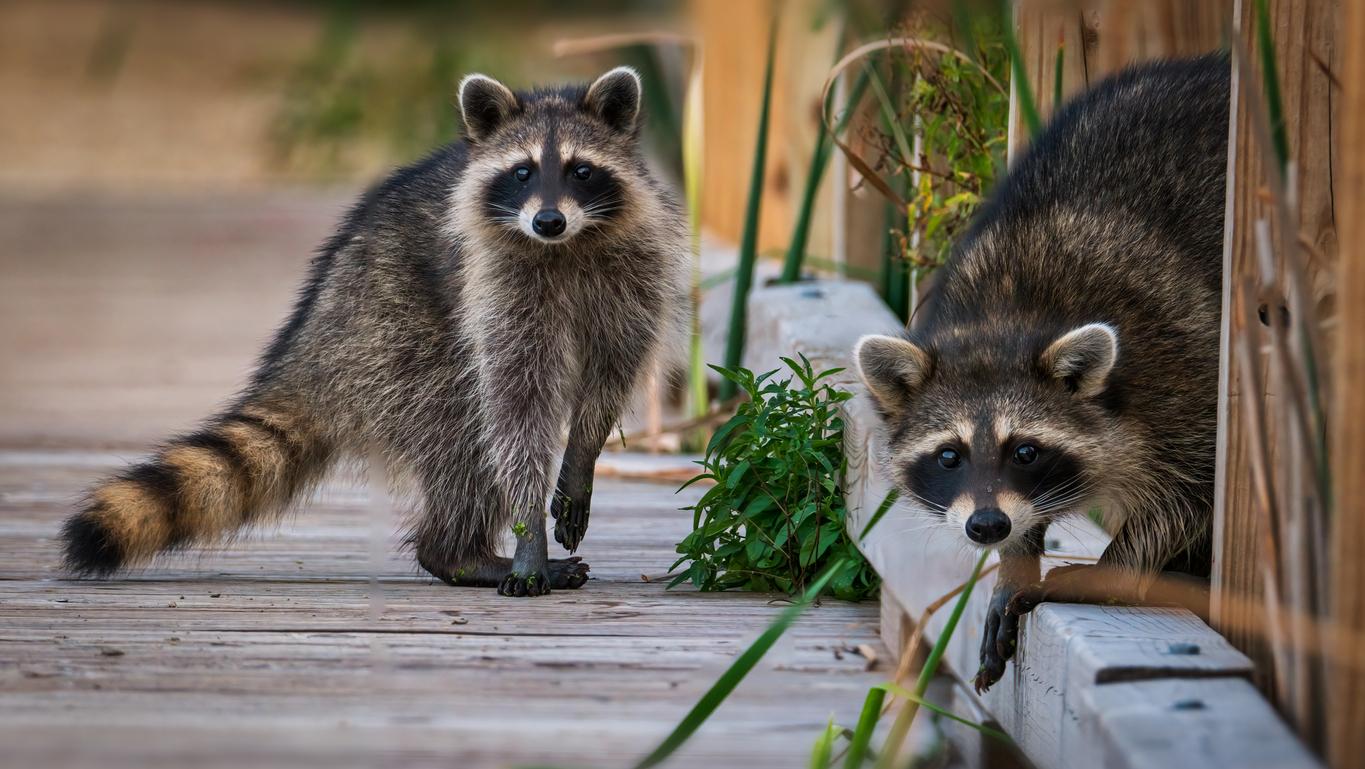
<point x="748" y="247"/>
<point x="867" y="723"/>
<point x="1279" y="133"/>
<point x="1057" y="74"/>
<point x="896" y="737"/>
<point x="824" y="148"/>
<point x="1018" y="73"/>
<point x="962" y="20"/>
<point x="741" y="667"/>
<point x="910" y="696"/>
<point x="692" y="152"/>
<point x="887" y="501"/>
<point x="824" y="746"/>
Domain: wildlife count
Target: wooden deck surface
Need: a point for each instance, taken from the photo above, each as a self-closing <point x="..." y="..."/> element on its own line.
<point x="122" y="322"/>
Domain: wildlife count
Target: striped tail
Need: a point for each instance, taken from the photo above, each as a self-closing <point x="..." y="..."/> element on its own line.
<point x="243" y="467"/>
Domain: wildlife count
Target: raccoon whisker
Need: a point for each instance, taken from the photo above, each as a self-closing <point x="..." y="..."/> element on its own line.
<point x="1061" y="504"/>
<point x="599" y="210"/>
<point x="1063" y="490"/>
<point x="1060" y="487"/>
<point x="1072" y="493"/>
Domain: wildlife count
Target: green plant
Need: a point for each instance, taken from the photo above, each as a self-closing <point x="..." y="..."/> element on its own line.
<point x="776" y="514"/>
<point x="937" y="142"/>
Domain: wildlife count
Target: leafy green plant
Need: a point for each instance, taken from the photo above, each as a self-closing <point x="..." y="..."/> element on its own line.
<point x="775" y="515"/>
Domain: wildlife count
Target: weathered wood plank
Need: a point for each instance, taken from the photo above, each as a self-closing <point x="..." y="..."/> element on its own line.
<point x="1346" y="688"/>
<point x="274" y="650"/>
<point x="1302" y="31"/>
<point x="1167" y="723"/>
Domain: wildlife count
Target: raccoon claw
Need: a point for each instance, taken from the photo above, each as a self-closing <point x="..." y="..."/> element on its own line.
<point x="999" y="639"/>
<point x="571" y="521"/>
<point x="565" y="574"/>
<point x="525" y="585"/>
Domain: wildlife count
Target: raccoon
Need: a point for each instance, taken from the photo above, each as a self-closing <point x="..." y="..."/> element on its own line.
<point x="470" y="311"/>
<point x="1067" y="357"/>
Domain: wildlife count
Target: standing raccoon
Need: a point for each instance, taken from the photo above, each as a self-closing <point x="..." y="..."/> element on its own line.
<point x="470" y="310"/>
<point x="1067" y="358"/>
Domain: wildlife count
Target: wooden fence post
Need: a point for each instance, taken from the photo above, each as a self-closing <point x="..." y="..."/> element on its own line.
<point x="1304" y="36"/>
<point x="1100" y="37"/>
<point x="1346" y="694"/>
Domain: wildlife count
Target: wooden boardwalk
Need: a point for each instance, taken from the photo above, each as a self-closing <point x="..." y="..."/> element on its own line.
<point x="278" y="650"/>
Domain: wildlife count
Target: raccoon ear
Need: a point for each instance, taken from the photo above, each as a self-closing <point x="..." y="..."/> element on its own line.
<point x="893" y="369"/>
<point x="486" y="105"/>
<point x="1083" y="358"/>
<point x="615" y="98"/>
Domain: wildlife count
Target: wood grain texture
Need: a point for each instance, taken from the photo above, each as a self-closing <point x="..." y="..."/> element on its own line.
<point x="1346" y="693"/>
<point x="1302" y="30"/>
<point x="276" y="652"/>
<point x="1100" y="37"/>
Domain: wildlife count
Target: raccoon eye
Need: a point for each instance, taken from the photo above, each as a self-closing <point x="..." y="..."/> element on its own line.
<point x="582" y="172"/>
<point x="522" y="173"/>
<point x="949" y="459"/>
<point x="1025" y="454"/>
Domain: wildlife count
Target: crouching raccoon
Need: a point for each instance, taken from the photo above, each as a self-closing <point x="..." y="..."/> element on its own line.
<point x="1067" y="357"/>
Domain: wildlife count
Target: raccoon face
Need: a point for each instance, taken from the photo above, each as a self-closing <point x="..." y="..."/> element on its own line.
<point x="550" y="165"/>
<point x="993" y="435"/>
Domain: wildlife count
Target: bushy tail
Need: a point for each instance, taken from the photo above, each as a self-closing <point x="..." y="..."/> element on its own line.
<point x="242" y="467"/>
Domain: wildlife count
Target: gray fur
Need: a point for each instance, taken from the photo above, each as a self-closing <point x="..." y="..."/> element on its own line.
<point x="462" y="350"/>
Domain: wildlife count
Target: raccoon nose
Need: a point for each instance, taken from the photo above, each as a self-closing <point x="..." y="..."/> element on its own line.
<point x="988" y="526"/>
<point x="548" y="223"/>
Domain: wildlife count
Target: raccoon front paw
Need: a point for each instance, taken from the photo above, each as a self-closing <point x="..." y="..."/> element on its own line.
<point x="559" y="574"/>
<point x="571" y="519"/>
<point x="998" y="640"/>
<point x="521" y="585"/>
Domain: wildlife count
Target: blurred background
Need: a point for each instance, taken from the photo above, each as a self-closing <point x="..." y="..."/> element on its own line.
<point x="168" y="166"/>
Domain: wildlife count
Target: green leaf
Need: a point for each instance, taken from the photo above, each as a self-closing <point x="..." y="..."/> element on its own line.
<point x="824" y="746"/>
<point x="867" y="723"/>
<point x="736" y="475"/>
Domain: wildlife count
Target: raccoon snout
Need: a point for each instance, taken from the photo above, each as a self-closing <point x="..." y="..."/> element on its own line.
<point x="988" y="526"/>
<point x="549" y="223"/>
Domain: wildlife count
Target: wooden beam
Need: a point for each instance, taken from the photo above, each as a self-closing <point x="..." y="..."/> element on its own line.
<point x="1042" y="27"/>
<point x="1100" y="37"/>
<point x="1346" y="694"/>
<point x="1304" y="34"/>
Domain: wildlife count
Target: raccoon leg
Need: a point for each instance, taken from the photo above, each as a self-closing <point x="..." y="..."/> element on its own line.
<point x="608" y="377"/>
<point x="573" y="493"/>
<point x="1129" y="572"/>
<point x="530" y="568"/>
<point x="1019" y="568"/>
